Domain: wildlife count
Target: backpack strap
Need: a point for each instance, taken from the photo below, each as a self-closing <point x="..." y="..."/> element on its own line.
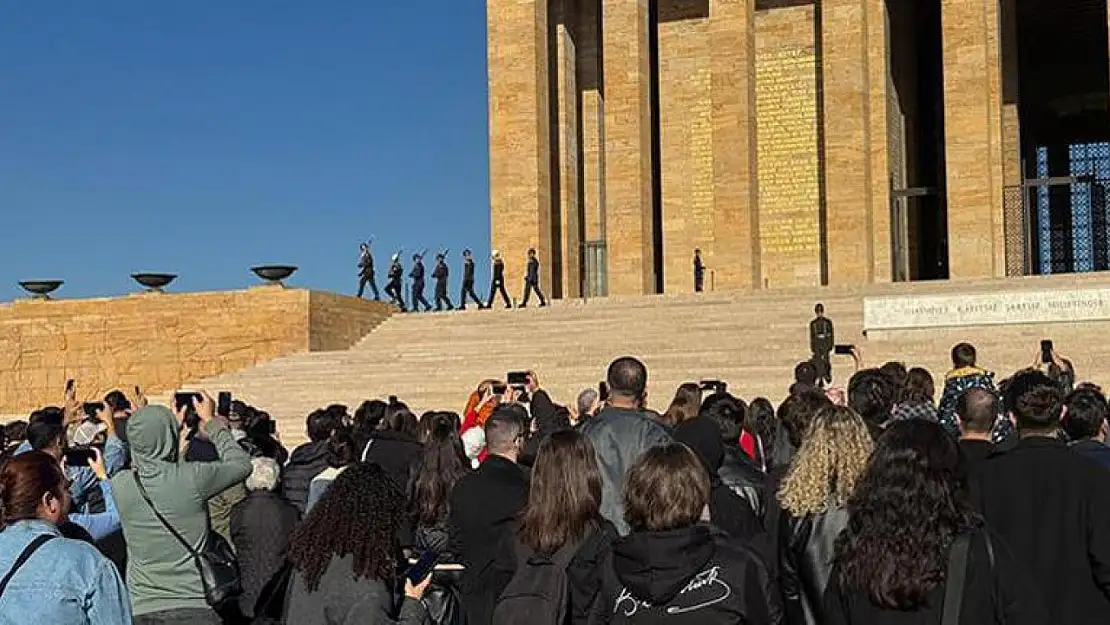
<point x="955" y="580"/>
<point x="28" y="551"/>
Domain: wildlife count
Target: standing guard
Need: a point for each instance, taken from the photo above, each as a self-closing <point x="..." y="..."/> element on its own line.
<point x="822" y="340"/>
<point x="532" y="280"/>
<point x="366" y="272"/>
<point x="468" y="282"/>
<point x="440" y="274"/>
<point x="417" y="275"/>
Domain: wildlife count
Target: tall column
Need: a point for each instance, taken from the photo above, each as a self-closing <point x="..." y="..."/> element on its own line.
<point x="520" y="139"/>
<point x="969" y="29"/>
<point x="570" y="208"/>
<point x="592" y="116"/>
<point x="628" y="175"/>
<point x="878" y="64"/>
<point x="847" y="123"/>
<point x="735" y="256"/>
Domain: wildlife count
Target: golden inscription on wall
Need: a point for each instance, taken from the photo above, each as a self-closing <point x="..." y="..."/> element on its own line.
<point x="786" y="127"/>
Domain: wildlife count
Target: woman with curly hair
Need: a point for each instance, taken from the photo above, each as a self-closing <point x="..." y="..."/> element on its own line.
<point x="344" y="555"/>
<point x="909" y="510"/>
<point x="813" y="499"/>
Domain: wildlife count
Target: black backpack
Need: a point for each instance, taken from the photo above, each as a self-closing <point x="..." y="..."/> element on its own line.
<point x="537" y="594"/>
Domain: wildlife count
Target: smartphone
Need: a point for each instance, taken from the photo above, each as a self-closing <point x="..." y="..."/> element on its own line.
<point x="79" y="456"/>
<point x="843" y="350"/>
<point x="70" y="384"/>
<point x="271" y="426"/>
<point x="1046" y="351"/>
<point x="499" y="389"/>
<point x="714" y="386"/>
<point x="423" y="567"/>
<point x="517" y="378"/>
<point x="223" y="404"/>
<point x="138" y="391"/>
<point x="93" y="408"/>
<point x="603" y="391"/>
<point x="184" y="401"/>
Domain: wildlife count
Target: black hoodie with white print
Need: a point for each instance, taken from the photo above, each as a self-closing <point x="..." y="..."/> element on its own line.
<point x="691" y="576"/>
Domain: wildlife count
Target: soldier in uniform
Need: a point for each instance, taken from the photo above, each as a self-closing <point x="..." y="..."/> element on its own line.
<point x="366" y="272"/>
<point x="821" y="342"/>
<point x="440" y="274"/>
<point x="532" y="280"/>
<point x="417" y="275"/>
<point x="468" y="282"/>
<point x="699" y="272"/>
<point x="498" y="283"/>
<point x="394" y="289"/>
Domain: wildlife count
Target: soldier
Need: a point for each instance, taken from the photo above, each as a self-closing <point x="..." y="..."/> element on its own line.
<point x="532" y="280"/>
<point x="498" y="283"/>
<point x="468" y="282"/>
<point x="417" y="275"/>
<point x="821" y="342"/>
<point x="366" y="272"/>
<point x="440" y="275"/>
<point x="393" y="289"/>
<point x="699" y="272"/>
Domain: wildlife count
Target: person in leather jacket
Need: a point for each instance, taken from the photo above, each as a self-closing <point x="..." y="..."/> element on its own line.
<point x="813" y="499"/>
<point x="737" y="471"/>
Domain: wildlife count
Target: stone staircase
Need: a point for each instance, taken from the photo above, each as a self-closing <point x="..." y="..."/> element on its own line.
<point x="751" y="340"/>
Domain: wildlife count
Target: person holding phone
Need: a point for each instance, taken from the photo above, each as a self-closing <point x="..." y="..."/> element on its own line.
<point x="99" y="525"/>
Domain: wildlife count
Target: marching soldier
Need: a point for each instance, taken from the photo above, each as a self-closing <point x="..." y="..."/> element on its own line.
<point x="394" y="288"/>
<point x="440" y="275"/>
<point x="532" y="280"/>
<point x="498" y="283"/>
<point x="468" y="282"/>
<point x="366" y="272"/>
<point x="417" y="275"/>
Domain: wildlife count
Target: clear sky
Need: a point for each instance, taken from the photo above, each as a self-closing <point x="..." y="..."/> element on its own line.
<point x="200" y="137"/>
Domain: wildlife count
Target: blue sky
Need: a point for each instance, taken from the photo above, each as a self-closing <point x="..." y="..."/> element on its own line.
<point x="201" y="137"/>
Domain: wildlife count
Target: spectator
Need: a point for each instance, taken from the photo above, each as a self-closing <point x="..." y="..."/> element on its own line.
<point x="394" y="445"/>
<point x="484" y="505"/>
<point x="805" y="377"/>
<point x="1051" y="506"/>
<point x="1085" y="424"/>
<point x="727" y="510"/>
<point x="308" y="460"/>
<point x="964" y="375"/>
<point x="562" y="523"/>
<point x="163" y="579"/>
<point x="898" y="377"/>
<point x="15" y="433"/>
<point x="340" y="455"/>
<point x="976" y="409"/>
<point x="200" y="449"/>
<point x="585" y="407"/>
<point x="121" y="409"/>
<point x="735" y="470"/>
<point x="672" y="569"/>
<point x="909" y="508"/>
<point x="917" y="397"/>
<point x="438" y="469"/>
<point x="343" y="555"/>
<point x="621" y="433"/>
<point x="872" y="395"/>
<point x="260" y="528"/>
<point x="760" y="429"/>
<point x="61" y="581"/>
<point x="685" y="405"/>
<point x="547" y="418"/>
<point x="814" y="496"/>
<point x="100" y="525"/>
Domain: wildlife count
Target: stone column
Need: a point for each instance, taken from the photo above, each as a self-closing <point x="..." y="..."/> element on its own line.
<point x="570" y="207"/>
<point x="628" y="175"/>
<point x="735" y="256"/>
<point x="969" y="29"/>
<point x="847" y="121"/>
<point x="592" y="116"/>
<point x="520" y="134"/>
<point x="878" y="64"/>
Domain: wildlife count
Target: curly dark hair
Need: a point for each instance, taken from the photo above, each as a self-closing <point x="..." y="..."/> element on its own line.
<point x="440" y="466"/>
<point x="908" y="506"/>
<point x="358" y="515"/>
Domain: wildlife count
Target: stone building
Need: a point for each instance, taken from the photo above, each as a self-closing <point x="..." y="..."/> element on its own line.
<point x="797" y="142"/>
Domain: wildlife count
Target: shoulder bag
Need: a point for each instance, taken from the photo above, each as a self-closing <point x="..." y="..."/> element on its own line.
<point x="219" y="570"/>
<point x="28" y="551"/>
<point x="955" y="580"/>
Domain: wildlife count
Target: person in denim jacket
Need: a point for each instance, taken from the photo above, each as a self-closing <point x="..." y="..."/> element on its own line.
<point x="63" y="581"/>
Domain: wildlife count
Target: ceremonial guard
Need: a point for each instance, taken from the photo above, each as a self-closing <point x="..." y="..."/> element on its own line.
<point x="417" y="275"/>
<point x="497" y="285"/>
<point x="394" y="288"/>
<point x="468" y="282"/>
<point x="440" y="275"/>
<point x="366" y="272"/>
<point x="532" y="280"/>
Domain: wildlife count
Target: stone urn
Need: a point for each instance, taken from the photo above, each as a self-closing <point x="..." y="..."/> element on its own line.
<point x="41" y="289"/>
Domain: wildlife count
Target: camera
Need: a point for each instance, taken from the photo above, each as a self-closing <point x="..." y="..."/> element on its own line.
<point x="714" y="386"/>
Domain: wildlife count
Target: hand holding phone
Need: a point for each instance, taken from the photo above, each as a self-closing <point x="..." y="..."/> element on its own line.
<point x="423" y="567"/>
<point x="1046" y="351"/>
<point x="843" y="350"/>
<point x="79" y="456"/>
<point x="223" y="404"/>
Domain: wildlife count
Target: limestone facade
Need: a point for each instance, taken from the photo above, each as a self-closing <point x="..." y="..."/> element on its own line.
<point x="767" y="133"/>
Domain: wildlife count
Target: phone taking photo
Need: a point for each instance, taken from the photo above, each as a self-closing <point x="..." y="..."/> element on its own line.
<point x="223" y="404"/>
<point x="843" y="350"/>
<point x="1046" y="351"/>
<point x="79" y="456"/>
<point x="423" y="567"/>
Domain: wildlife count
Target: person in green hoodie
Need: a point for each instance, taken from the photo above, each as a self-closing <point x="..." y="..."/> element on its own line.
<point x="162" y="577"/>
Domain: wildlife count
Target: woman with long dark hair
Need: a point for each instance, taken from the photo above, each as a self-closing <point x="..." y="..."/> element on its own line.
<point x="908" y="511"/>
<point x="685" y="405"/>
<point x="344" y="555"/>
<point x="437" y="471"/>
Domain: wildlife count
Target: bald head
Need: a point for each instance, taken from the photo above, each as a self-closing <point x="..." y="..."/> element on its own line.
<point x="977" y="409"/>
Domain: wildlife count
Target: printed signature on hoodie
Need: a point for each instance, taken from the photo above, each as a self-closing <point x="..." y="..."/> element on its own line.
<point x="708" y="581"/>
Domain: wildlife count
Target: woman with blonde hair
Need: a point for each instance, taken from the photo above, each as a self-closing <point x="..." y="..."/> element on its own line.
<point x="813" y="498"/>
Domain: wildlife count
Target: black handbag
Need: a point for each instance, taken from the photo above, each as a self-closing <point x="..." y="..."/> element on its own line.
<point x="218" y="567"/>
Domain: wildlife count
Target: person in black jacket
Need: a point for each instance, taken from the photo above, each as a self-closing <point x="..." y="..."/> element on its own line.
<point x="813" y="496"/>
<point x="497" y="285"/>
<point x="727" y="509"/>
<point x="976" y="411"/>
<point x="417" y="275"/>
<point x="468" y="282"/>
<point x="260" y="528"/>
<point x="394" y="289"/>
<point x="674" y="570"/>
<point x="909" y="508"/>
<point x="394" y="445"/>
<point x="1051" y="505"/>
<point x="1085" y="424"/>
<point x="737" y="471"/>
<point x="308" y="460"/>
<point x="532" y="280"/>
<point x="484" y="505"/>
<point x="440" y="274"/>
<point x="547" y="418"/>
<point x="366" y="272"/>
<point x="822" y="339"/>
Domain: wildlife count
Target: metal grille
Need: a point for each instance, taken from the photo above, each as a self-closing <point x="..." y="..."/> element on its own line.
<point x="597" y="269"/>
<point x="1013" y="211"/>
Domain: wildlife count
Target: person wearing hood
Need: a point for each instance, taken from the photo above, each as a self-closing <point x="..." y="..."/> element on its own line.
<point x="310" y="459"/>
<point x="675" y="570"/>
<point x="162" y="576"/>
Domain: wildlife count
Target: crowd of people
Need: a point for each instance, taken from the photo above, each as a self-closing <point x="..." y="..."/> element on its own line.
<point x="874" y="504"/>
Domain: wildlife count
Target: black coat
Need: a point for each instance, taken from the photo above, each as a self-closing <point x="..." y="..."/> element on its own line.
<point x="690" y="576"/>
<point x="1052" y="507"/>
<point x="260" y="528"/>
<point x="976" y="453"/>
<point x="806" y="549"/>
<point x="468" y="271"/>
<point x="1094" y="450"/>
<point x="549" y="419"/>
<point x="397" y="453"/>
<point x="484" y="505"/>
<point x="742" y="477"/>
<point x="533" y="276"/>
<point x="340" y="598"/>
<point x="993" y="593"/>
<point x="305" y="463"/>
